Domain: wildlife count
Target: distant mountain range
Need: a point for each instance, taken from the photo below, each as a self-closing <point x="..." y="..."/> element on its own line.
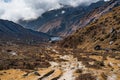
<point x="10" y="31"/>
<point x="61" y="22"/>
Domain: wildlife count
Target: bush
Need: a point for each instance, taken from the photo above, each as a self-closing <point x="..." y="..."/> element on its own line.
<point x="79" y="71"/>
<point x="86" y="76"/>
<point x="1" y="67"/>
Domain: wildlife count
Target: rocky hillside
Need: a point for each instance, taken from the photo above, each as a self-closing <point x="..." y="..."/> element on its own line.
<point x="103" y="33"/>
<point x="62" y="21"/>
<point x="12" y="31"/>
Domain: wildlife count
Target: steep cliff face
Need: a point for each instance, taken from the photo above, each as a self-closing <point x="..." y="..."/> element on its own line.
<point x="103" y="32"/>
<point x="12" y="31"/>
<point x="63" y="21"/>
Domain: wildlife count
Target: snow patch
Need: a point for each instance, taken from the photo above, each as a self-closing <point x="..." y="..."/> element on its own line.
<point x="62" y="12"/>
<point x="56" y="15"/>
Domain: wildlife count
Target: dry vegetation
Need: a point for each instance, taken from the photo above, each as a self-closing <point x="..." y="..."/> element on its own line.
<point x="34" y="63"/>
<point x="23" y="57"/>
<point x="104" y="31"/>
<point x="92" y="53"/>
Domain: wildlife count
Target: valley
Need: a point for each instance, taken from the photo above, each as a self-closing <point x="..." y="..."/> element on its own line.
<point x="49" y="62"/>
<point x="68" y="43"/>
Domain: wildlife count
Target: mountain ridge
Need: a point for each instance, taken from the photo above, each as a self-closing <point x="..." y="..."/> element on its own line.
<point x="58" y="22"/>
<point x="12" y="31"/>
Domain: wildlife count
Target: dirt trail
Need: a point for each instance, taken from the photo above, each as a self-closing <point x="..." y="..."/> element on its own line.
<point x="58" y="71"/>
<point x="64" y="65"/>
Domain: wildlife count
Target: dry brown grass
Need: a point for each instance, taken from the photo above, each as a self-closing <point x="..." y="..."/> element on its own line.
<point x="27" y="57"/>
<point x="97" y="33"/>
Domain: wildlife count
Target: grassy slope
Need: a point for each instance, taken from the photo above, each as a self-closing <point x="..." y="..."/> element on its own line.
<point x="97" y="33"/>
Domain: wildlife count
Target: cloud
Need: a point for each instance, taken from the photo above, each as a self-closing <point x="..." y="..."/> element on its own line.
<point x="31" y="9"/>
<point x="106" y="0"/>
<point x="75" y="3"/>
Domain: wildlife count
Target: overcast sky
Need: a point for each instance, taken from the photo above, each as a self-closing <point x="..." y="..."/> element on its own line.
<point x="31" y="9"/>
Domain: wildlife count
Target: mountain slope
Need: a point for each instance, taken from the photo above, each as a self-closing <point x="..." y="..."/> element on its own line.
<point x="103" y="32"/>
<point x="61" y="22"/>
<point x="12" y="31"/>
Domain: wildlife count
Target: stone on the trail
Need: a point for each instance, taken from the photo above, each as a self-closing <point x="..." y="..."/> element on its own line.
<point x="25" y="75"/>
<point x="97" y="47"/>
<point x="110" y="64"/>
<point x="111" y="42"/>
<point x="112" y="30"/>
<point x="112" y="77"/>
<point x="91" y="63"/>
<point x="79" y="71"/>
<point x="11" y="52"/>
<point x="37" y="74"/>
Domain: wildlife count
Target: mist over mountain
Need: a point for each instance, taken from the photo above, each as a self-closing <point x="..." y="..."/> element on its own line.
<point x="30" y="9"/>
<point x="61" y="22"/>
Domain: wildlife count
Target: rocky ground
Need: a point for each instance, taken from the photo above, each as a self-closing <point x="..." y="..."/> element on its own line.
<point x="41" y="62"/>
